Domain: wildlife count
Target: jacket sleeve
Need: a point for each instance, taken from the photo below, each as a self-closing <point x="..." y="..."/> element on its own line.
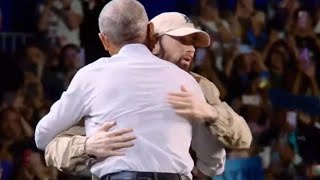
<point x="66" y="151"/>
<point x="230" y="128"/>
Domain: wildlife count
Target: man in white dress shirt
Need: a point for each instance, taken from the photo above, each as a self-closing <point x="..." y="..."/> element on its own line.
<point x="174" y="39"/>
<point x="131" y="88"/>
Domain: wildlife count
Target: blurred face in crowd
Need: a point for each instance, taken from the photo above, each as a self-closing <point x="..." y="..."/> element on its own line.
<point x="258" y="20"/>
<point x="277" y="60"/>
<point x="246" y="3"/>
<point x="71" y="58"/>
<point x="178" y="50"/>
<point x="304" y="21"/>
<point x="34" y="55"/>
<point x="19" y="101"/>
<point x="244" y="63"/>
<point x="251" y="62"/>
<point x="11" y="125"/>
<point x="209" y="10"/>
<point x="15" y="100"/>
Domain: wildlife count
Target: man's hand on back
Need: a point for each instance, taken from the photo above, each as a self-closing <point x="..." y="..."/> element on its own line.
<point x="105" y="143"/>
<point x="189" y="106"/>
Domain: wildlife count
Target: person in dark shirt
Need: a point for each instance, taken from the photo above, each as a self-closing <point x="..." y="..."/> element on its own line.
<point x="89" y="30"/>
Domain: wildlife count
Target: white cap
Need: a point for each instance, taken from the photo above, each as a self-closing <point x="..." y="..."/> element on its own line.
<point x="177" y="24"/>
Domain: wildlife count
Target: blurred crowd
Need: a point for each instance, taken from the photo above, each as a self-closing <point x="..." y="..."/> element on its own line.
<point x="264" y="58"/>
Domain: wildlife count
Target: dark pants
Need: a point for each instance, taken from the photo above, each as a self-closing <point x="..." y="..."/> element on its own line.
<point x="130" y="175"/>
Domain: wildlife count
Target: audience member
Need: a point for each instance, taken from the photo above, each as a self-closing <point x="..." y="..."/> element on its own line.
<point x="264" y="59"/>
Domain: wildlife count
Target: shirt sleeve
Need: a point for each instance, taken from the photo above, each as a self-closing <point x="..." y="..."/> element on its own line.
<point x="66" y="152"/>
<point x="66" y="112"/>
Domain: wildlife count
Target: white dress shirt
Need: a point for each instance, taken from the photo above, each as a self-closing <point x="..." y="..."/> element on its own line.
<point x="130" y="88"/>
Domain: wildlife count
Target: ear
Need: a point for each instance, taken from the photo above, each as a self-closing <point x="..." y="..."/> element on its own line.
<point x="151" y="36"/>
<point x="104" y="40"/>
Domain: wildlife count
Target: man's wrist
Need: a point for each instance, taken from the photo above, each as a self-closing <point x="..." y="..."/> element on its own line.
<point x="87" y="148"/>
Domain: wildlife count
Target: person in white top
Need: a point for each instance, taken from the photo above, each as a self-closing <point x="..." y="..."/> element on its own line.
<point x="60" y="20"/>
<point x="131" y="88"/>
<point x="174" y="39"/>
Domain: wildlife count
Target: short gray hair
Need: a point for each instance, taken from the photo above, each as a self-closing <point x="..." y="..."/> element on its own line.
<point x="124" y="22"/>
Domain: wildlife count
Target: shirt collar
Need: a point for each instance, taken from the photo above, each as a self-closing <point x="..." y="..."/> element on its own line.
<point x="134" y="48"/>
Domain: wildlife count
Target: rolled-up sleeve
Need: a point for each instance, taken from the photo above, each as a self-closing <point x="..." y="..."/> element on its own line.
<point x="230" y="128"/>
<point x="66" y="152"/>
<point x="65" y="113"/>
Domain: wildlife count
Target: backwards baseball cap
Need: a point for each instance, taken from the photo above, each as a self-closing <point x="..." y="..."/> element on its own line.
<point x="178" y="25"/>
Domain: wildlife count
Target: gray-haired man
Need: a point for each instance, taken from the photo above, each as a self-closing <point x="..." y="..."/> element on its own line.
<point x="177" y="143"/>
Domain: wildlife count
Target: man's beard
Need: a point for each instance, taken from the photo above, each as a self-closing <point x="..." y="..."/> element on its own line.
<point x="183" y="66"/>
